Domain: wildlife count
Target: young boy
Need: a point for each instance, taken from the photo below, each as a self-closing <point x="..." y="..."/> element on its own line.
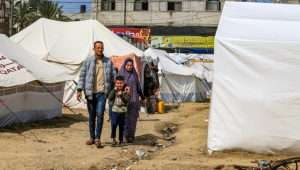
<point x="119" y="99"/>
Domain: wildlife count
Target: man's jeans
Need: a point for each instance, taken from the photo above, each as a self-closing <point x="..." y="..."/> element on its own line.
<point x="96" y="108"/>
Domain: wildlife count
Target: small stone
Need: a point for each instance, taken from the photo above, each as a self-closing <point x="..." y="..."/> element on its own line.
<point x="140" y="153"/>
<point x="155" y="149"/>
<point x="49" y="150"/>
<point x="159" y="145"/>
<point x="173" y="158"/>
<point x="114" y="167"/>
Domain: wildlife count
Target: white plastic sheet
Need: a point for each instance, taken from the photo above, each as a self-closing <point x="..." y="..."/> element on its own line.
<point x="256" y="97"/>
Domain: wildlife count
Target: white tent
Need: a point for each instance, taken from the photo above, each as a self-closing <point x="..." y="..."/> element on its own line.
<point x="256" y="97"/>
<point x="68" y="44"/>
<point x="181" y="58"/>
<point x="178" y="83"/>
<point x="30" y="89"/>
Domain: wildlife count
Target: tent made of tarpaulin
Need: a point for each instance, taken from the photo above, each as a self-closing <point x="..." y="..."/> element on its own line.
<point x="68" y="44"/>
<point x="71" y="42"/>
<point x="30" y="89"/>
<point x="256" y="97"/>
<point x="178" y="83"/>
<point x="181" y="58"/>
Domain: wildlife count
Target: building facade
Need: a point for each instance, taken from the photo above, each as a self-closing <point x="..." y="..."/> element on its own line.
<point x="3" y="16"/>
<point x="176" y="25"/>
<point x="176" y="13"/>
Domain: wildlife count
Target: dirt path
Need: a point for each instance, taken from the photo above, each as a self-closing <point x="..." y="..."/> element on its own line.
<point x="58" y="144"/>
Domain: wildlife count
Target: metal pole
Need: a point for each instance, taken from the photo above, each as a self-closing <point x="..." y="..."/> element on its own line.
<point x="125" y="11"/>
<point x="97" y="9"/>
<point x="11" y="17"/>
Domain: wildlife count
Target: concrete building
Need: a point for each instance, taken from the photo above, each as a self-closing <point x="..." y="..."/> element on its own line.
<point x="3" y="16"/>
<point x="166" y="19"/>
<point x="176" y="13"/>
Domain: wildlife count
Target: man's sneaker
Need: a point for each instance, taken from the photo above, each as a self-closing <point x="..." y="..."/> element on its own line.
<point x="90" y="142"/>
<point x="98" y="143"/>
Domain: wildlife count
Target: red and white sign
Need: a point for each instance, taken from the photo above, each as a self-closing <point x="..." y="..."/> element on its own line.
<point x="142" y="34"/>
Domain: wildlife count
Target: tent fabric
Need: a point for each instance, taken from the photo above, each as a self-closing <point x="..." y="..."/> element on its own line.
<point x="30" y="102"/>
<point x="203" y="70"/>
<point x="12" y="73"/>
<point x="67" y="44"/>
<point x="30" y="89"/>
<point x="70" y="42"/>
<point x="19" y="66"/>
<point x="178" y="83"/>
<point x="181" y="58"/>
<point x="166" y="64"/>
<point x="256" y="99"/>
<point x="177" y="89"/>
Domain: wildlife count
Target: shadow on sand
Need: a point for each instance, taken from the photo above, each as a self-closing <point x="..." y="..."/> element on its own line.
<point x="65" y="121"/>
<point x="146" y="139"/>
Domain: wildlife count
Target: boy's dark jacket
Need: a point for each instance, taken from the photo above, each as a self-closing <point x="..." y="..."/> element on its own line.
<point x="112" y="95"/>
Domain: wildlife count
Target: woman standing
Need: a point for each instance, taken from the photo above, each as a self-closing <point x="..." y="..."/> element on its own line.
<point x="131" y="79"/>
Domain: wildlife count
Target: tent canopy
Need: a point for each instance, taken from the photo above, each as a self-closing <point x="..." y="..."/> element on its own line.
<point x="256" y="96"/>
<point x="70" y="42"/>
<point x="178" y="83"/>
<point x="166" y="64"/>
<point x="17" y="66"/>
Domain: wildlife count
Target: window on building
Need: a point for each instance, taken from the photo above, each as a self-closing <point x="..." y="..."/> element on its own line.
<point x="174" y="6"/>
<point x="108" y="5"/>
<point x="213" y="5"/>
<point x="141" y="5"/>
<point x="2" y="11"/>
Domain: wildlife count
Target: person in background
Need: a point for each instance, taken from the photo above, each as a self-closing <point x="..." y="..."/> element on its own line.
<point x="109" y="102"/>
<point x="95" y="80"/>
<point x="119" y="100"/>
<point x="150" y="88"/>
<point x="130" y="75"/>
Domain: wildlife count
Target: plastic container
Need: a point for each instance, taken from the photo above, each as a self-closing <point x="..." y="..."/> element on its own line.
<point x="161" y="106"/>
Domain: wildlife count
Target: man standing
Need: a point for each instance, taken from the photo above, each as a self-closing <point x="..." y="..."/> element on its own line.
<point x="96" y="80"/>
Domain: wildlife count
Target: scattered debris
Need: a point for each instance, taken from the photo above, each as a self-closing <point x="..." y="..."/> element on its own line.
<point x="166" y="128"/>
<point x="284" y="164"/>
<point x="168" y="131"/>
<point x="169" y="138"/>
<point x="219" y="167"/>
<point x="263" y="164"/>
<point x="114" y="168"/>
<point x="159" y="145"/>
<point x="140" y="153"/>
<point x="128" y="168"/>
<point x="169" y="143"/>
<point x="40" y="141"/>
<point x="154" y="149"/>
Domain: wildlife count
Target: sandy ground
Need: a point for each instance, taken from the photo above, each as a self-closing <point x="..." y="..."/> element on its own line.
<point x="59" y="144"/>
